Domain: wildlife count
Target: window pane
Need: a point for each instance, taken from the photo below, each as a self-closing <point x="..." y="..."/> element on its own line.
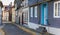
<point x="56" y="12"/>
<point x="35" y="13"/>
<point x="31" y="11"/>
<point x="58" y="9"/>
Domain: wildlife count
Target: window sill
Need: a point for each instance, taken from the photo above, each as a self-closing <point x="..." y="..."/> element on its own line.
<point x="56" y="16"/>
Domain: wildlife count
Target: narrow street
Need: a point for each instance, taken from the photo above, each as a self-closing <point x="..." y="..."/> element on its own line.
<point x="29" y="17"/>
<point x="11" y="29"/>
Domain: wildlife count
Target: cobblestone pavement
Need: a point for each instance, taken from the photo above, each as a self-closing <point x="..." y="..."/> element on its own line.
<point x="11" y="29"/>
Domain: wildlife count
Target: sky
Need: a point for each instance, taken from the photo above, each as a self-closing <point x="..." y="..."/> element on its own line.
<point x="7" y="2"/>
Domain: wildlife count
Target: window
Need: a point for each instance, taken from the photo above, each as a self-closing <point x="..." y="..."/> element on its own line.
<point x="31" y="11"/>
<point x="57" y="9"/>
<point x="35" y="13"/>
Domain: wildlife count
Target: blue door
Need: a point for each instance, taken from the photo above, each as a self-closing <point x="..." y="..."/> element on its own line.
<point x="44" y="16"/>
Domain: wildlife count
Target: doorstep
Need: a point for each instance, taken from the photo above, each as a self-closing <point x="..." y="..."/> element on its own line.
<point x="29" y="30"/>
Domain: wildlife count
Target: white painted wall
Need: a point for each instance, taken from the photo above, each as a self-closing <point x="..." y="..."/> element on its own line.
<point x="52" y="30"/>
<point x="26" y="10"/>
<point x="33" y="26"/>
<point x="13" y="14"/>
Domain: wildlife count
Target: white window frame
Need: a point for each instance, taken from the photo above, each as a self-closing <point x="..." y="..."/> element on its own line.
<point x="57" y="9"/>
<point x="31" y="11"/>
<point x="35" y="11"/>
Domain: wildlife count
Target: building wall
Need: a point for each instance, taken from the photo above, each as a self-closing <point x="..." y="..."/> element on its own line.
<point x="20" y="14"/>
<point x="34" y="21"/>
<point x="25" y="15"/>
<point x="5" y="16"/>
<point x="54" y="26"/>
<point x="13" y="14"/>
<point x="54" y="22"/>
<point x="17" y="17"/>
<point x="32" y="2"/>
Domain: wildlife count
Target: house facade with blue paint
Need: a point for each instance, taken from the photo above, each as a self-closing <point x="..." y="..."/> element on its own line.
<point x="45" y="13"/>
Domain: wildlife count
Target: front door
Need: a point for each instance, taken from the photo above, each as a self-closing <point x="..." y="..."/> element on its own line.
<point x="44" y="15"/>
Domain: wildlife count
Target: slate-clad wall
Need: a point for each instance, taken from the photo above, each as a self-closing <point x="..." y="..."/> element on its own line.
<point x="40" y="0"/>
<point x="39" y="14"/>
<point x="32" y="2"/>
<point x="43" y="0"/>
<point x="34" y="19"/>
<point x="54" y="22"/>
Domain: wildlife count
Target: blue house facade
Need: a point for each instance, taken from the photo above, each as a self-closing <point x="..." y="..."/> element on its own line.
<point x="45" y="13"/>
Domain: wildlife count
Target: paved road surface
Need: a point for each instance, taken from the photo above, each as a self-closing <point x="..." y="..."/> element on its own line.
<point x="11" y="29"/>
